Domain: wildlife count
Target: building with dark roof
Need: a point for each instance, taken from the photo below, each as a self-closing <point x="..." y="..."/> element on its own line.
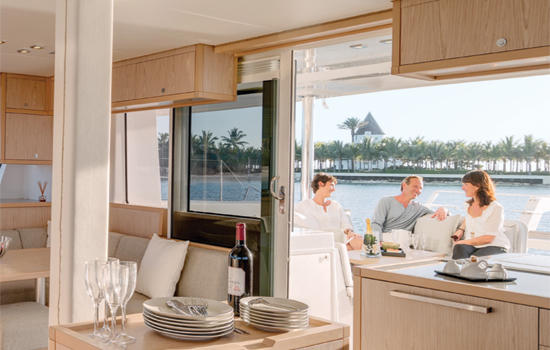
<point x="369" y="128"/>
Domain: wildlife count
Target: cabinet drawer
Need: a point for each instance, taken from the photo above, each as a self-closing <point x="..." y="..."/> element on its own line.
<point x="165" y="76"/>
<point x="396" y="320"/>
<point x="28" y="135"/>
<point x="544" y="327"/>
<point x="25" y="93"/>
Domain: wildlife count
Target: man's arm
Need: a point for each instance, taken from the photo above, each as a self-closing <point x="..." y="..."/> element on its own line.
<point x="441" y="213"/>
<point x="379" y="217"/>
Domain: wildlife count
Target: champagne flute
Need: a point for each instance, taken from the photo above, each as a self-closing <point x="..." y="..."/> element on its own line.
<point x="93" y="278"/>
<point x="116" y="279"/>
<point x="423" y="240"/>
<point x="124" y="338"/>
<point x="105" y="331"/>
<point x="414" y="241"/>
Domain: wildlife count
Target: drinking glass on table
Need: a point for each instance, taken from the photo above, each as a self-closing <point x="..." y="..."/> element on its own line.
<point x="423" y="240"/>
<point x="394" y="235"/>
<point x="116" y="279"/>
<point x="93" y="278"/>
<point x="105" y="331"/>
<point x="414" y="240"/>
<point x="124" y="338"/>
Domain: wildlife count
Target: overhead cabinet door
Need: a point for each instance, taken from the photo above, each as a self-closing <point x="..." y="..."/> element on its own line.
<point x="24" y="93"/>
<point x="29" y="137"/>
<point x="165" y="76"/>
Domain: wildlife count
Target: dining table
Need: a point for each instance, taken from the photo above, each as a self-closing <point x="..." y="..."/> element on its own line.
<point x="412" y="255"/>
<point x="27" y="264"/>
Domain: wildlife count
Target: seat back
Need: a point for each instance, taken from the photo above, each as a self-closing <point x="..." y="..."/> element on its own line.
<point x="517" y="232"/>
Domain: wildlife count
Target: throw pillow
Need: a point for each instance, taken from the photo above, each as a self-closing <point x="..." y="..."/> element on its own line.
<point x="161" y="267"/>
<point x="438" y="232"/>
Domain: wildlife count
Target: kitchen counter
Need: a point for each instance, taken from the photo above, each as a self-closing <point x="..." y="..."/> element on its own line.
<point x="529" y="289"/>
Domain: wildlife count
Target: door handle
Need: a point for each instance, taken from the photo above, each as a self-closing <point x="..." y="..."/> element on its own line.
<point x="441" y="302"/>
<point x="280" y="197"/>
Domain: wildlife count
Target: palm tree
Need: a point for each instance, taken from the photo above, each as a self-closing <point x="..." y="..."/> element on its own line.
<point x="321" y="153"/>
<point x="206" y="143"/>
<point x="235" y="138"/>
<point x="351" y="124"/>
<point x="508" y="146"/>
<point x="368" y="150"/>
<point x="529" y="150"/>
<point x="297" y="154"/>
<point x="353" y="151"/>
<point x="392" y="150"/>
<point x="435" y="151"/>
<point x="474" y="153"/>
<point x="338" y="150"/>
<point x="494" y="154"/>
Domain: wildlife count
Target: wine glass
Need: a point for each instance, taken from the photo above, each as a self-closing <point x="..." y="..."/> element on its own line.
<point x="105" y="331"/>
<point x="116" y="279"/>
<point x="414" y="240"/>
<point x="423" y="240"/>
<point x="124" y="338"/>
<point x="93" y="278"/>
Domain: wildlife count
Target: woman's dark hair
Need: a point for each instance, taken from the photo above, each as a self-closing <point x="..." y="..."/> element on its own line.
<point x="481" y="179"/>
<point x="321" y="177"/>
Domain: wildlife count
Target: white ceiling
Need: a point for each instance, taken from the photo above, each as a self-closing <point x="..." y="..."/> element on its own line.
<point x="146" y="26"/>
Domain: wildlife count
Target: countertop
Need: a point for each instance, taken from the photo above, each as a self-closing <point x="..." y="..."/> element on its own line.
<point x="530" y="289"/>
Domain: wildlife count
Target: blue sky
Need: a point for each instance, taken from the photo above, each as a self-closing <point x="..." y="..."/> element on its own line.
<point x="480" y="111"/>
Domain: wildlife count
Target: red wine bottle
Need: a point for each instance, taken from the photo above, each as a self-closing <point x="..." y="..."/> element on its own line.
<point x="240" y="270"/>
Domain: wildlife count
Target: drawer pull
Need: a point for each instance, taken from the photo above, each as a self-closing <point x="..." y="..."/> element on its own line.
<point x="468" y="307"/>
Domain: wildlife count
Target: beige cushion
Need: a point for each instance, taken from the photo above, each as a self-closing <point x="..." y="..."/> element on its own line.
<point x="23" y="326"/>
<point x="161" y="267"/>
<point x="135" y="305"/>
<point x="114" y="240"/>
<point x="439" y="232"/>
<point x="204" y="274"/>
<point x="35" y="237"/>
<point x="15" y="238"/>
<point x="17" y="291"/>
<point x="131" y="248"/>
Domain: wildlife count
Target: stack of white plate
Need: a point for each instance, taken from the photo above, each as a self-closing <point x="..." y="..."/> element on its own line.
<point x="161" y="318"/>
<point x="274" y="314"/>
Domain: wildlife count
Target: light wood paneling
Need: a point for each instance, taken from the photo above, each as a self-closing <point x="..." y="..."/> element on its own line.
<point x="542" y="347"/>
<point x="544" y="326"/>
<point x="214" y="72"/>
<point x="26" y="93"/>
<point x="24" y="217"/>
<point x="165" y="76"/>
<point x="401" y="322"/>
<point x="27" y="135"/>
<point x="335" y="345"/>
<point x="420" y="33"/>
<point x="137" y="220"/>
<point x="407" y="3"/>
<point x="124" y="83"/>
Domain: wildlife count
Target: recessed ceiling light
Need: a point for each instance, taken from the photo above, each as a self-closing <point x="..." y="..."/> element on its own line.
<point x="23" y="51"/>
<point x="37" y="47"/>
<point x="2" y="42"/>
<point x="386" y="41"/>
<point x="358" y="46"/>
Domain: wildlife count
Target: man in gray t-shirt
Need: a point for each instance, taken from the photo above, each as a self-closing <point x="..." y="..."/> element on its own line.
<point x="401" y="212"/>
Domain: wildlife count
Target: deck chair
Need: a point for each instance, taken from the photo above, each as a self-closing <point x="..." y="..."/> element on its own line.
<point x="517" y="232"/>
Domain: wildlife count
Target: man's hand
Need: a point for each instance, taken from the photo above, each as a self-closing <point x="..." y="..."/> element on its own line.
<point x="441" y="214"/>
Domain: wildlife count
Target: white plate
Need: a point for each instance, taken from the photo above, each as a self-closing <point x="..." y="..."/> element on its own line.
<point x="177" y="335"/>
<point x="274" y="315"/>
<point x="189" y="323"/>
<point x="275" y="319"/>
<point x="274" y="329"/>
<point x="292" y="325"/>
<point x="216" y="309"/>
<point x="296" y="305"/>
<point x="191" y="331"/>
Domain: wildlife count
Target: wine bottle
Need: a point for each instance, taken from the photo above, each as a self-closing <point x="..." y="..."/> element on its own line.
<point x="240" y="270"/>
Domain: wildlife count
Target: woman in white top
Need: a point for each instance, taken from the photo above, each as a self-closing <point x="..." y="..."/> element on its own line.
<point x="483" y="228"/>
<point x="322" y="214"/>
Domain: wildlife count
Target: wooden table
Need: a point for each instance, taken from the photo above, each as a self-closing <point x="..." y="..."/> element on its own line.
<point x="25" y="264"/>
<point x="412" y="255"/>
<point x="319" y="335"/>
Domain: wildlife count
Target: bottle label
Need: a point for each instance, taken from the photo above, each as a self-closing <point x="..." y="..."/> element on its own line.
<point x="236" y="278"/>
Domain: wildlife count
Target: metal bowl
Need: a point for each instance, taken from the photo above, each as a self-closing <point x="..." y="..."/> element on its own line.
<point x="4" y="245"/>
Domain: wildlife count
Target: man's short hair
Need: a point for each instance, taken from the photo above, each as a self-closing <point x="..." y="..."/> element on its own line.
<point x="408" y="179"/>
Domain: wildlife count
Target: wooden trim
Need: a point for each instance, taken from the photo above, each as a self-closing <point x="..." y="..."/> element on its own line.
<point x="215" y="96"/>
<point x="396" y="34"/>
<point x="49" y="95"/>
<point x="3" y="84"/>
<point x="154" y="56"/>
<point x="25" y="204"/>
<point x="323" y="31"/>
<point x="133" y="221"/>
<point x="476" y="60"/>
<point x="194" y="102"/>
<point x="357" y="310"/>
<point x="28" y="111"/>
<point x="544" y="326"/>
<point x="496" y="71"/>
<point x="27" y="77"/>
<point x="158" y="99"/>
<point x="306" y="337"/>
<point x="23" y="216"/>
<point x="199" y="68"/>
<point x="26" y="162"/>
<point x="210" y="247"/>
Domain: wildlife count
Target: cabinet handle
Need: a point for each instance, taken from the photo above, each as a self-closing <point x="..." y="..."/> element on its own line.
<point x="467" y="307"/>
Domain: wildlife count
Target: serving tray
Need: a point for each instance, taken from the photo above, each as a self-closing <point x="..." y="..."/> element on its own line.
<point x="469" y="279"/>
<point x="400" y="254"/>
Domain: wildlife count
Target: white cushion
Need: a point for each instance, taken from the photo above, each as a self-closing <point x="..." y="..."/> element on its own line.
<point x="161" y="267"/>
<point x="439" y="232"/>
<point x="49" y="241"/>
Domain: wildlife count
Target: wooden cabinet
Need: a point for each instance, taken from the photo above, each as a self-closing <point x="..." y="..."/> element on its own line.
<point x="396" y="316"/>
<point x="185" y="76"/>
<point x="26" y="119"/>
<point x="544" y="325"/>
<point x="455" y="38"/>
